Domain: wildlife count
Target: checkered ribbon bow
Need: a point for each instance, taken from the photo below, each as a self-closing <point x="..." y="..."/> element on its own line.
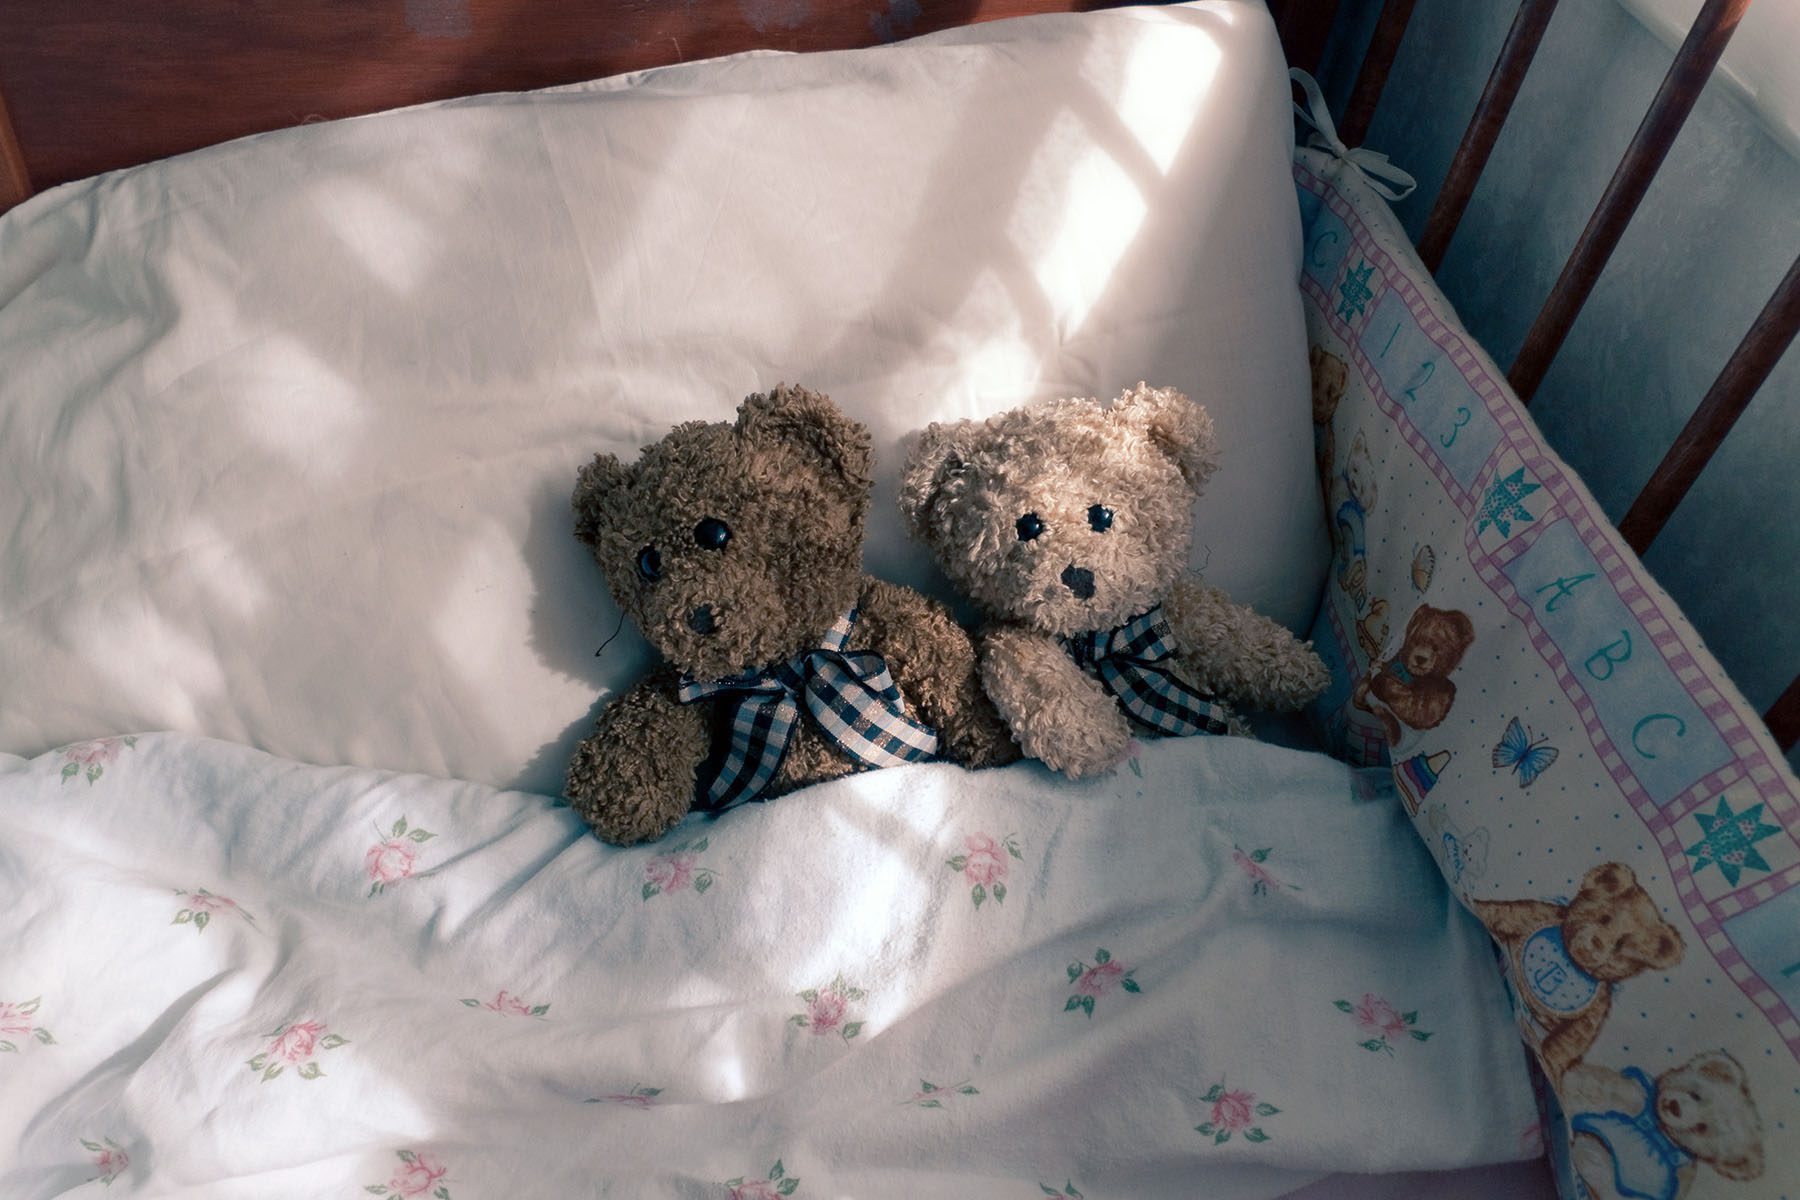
<point x="1127" y="662"/>
<point x="851" y="696"/>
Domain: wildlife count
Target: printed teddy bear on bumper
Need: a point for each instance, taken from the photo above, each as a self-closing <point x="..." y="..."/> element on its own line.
<point x="1566" y="959"/>
<point x="1068" y="522"/>
<point x="737" y="550"/>
<point x="1635" y="1136"/>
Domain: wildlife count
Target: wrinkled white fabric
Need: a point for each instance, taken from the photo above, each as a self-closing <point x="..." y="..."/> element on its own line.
<point x="289" y="426"/>
<point x="227" y="975"/>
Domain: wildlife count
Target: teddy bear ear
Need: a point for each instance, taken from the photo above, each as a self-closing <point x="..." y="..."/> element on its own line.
<point x="795" y="415"/>
<point x="1181" y="428"/>
<point x="1609" y="879"/>
<point x="594" y="484"/>
<point x="939" y="454"/>
<point x="1720" y="1067"/>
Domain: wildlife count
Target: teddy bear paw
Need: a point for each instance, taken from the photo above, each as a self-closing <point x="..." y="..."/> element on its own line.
<point x="1083" y="746"/>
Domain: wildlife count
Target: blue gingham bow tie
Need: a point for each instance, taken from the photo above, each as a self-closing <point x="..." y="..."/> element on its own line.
<point x="1128" y="663"/>
<point x="851" y="696"/>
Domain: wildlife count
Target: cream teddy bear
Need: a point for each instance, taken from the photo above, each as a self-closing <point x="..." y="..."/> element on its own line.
<point x="1068" y="523"/>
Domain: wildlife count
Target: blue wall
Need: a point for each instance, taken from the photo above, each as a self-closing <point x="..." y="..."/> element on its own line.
<point x="1704" y="252"/>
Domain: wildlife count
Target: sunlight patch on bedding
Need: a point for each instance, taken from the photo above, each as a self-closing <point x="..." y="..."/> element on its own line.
<point x="224" y="570"/>
<point x="985" y="338"/>
<point x="391" y="242"/>
<point x="154" y="667"/>
<point x="1163" y="87"/>
<point x="297" y="405"/>
<point x="1078" y="210"/>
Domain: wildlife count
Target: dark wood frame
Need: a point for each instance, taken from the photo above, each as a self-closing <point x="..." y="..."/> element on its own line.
<point x="110" y="83"/>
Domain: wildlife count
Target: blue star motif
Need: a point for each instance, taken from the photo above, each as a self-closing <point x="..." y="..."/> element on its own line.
<point x="1730" y="841"/>
<point x="1354" y="293"/>
<point x="1502" y="504"/>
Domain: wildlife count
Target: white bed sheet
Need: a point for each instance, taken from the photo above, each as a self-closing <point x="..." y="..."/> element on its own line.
<point x="1226" y="970"/>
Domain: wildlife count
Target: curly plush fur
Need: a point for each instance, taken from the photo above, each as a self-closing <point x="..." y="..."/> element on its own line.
<point x="790" y="480"/>
<point x="968" y="485"/>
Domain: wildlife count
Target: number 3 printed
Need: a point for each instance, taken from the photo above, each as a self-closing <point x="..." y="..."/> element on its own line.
<point x="1463" y="417"/>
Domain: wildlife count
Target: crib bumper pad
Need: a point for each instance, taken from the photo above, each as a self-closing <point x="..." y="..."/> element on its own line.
<point x="1559" y="736"/>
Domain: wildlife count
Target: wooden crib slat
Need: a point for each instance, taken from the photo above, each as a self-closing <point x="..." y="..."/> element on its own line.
<point x="1680" y="89"/>
<point x="1384" y="47"/>
<point x="15" y="183"/>
<point x="1478" y="140"/>
<point x="1305" y="26"/>
<point x="1750" y="364"/>
<point x="1783" y="717"/>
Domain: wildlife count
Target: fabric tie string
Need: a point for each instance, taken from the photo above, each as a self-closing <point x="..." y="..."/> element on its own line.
<point x="1128" y="662"/>
<point x="851" y="696"/>
<point x="1373" y="166"/>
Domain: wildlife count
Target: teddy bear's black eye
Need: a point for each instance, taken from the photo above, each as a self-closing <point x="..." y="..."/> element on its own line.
<point x="1099" y="517"/>
<point x="1030" y="526"/>
<point x="649" y="564"/>
<point x="712" y="533"/>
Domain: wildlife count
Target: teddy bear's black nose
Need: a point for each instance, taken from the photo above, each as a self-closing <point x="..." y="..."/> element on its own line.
<point x="701" y="620"/>
<point x="1079" y="580"/>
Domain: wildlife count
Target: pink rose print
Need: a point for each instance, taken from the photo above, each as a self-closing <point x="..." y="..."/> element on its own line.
<point x="1093" y="982"/>
<point x="676" y="869"/>
<point x="200" y="905"/>
<point x="90" y="758"/>
<point x="1262" y="882"/>
<point x="508" y="1005"/>
<point x="1065" y="1192"/>
<point x="16" y="1022"/>
<point x="1132" y="749"/>
<point x="1382" y="1021"/>
<point x="827" y="1007"/>
<point x="638" y="1097"/>
<point x="295" y="1045"/>
<point x="393" y="858"/>
<point x="417" y="1175"/>
<point x="930" y="1095"/>
<point x="983" y="864"/>
<point x="778" y="1184"/>
<point x="1234" y="1112"/>
<point x="1531" y="1140"/>
<point x="109" y="1157"/>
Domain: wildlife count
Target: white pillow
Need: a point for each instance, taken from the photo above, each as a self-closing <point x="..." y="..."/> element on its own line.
<point x="288" y="426"/>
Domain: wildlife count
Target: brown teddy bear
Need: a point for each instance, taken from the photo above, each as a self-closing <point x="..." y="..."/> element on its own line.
<point x="1566" y="958"/>
<point x="1634" y="1136"/>
<point x="1414" y="686"/>
<point x="737" y="550"/>
<point x="1329" y="377"/>
<point x="1068" y="523"/>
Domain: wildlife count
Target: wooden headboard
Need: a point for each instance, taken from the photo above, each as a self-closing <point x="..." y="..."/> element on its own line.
<point x="92" y="85"/>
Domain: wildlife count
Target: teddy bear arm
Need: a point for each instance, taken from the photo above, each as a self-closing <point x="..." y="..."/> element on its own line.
<point x="1239" y="654"/>
<point x="933" y="660"/>
<point x="1510" y="920"/>
<point x="1568" y="1042"/>
<point x="632" y="778"/>
<point x="1058" y="714"/>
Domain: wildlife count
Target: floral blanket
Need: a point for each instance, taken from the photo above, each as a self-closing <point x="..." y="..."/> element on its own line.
<point x="227" y="975"/>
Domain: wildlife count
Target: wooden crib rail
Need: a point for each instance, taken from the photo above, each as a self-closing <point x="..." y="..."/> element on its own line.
<point x="1681" y="87"/>
<point x="1755" y="357"/>
<point x="1371" y="79"/>
<point x="15" y="183"/>
<point x="1719" y="410"/>
<point x="1478" y="140"/>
